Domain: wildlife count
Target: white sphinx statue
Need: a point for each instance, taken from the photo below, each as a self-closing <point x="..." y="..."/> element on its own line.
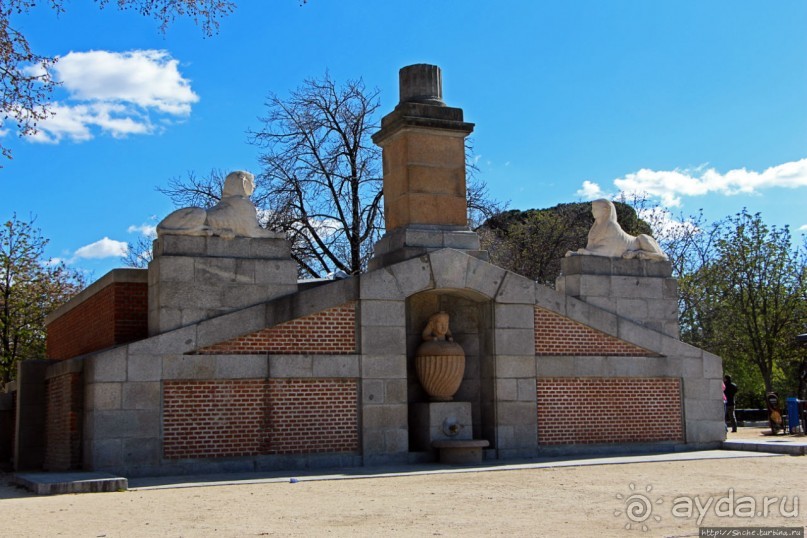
<point x="607" y="238"/>
<point x="234" y="216"/>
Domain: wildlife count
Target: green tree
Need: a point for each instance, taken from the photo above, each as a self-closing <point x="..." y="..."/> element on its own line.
<point x="30" y="288"/>
<point x="747" y="301"/>
<point x="26" y="92"/>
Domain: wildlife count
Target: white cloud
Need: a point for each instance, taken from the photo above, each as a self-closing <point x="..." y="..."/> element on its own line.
<point x="103" y="248"/>
<point x="146" y="230"/>
<point x="803" y="228"/>
<point x="671" y="185"/>
<point x="590" y="191"/>
<point x="117" y="93"/>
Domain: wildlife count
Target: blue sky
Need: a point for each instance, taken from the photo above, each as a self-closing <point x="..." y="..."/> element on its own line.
<point x="700" y="104"/>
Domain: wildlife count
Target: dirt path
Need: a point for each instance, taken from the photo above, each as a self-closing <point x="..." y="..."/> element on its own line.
<point x="563" y="501"/>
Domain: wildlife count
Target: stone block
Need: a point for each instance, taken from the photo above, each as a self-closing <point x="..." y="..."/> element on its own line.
<point x="396" y="440"/>
<point x="142" y="451"/>
<point x="382" y="313"/>
<point x="663" y="309"/>
<point x="516" y="413"/>
<point x="608" y="304"/>
<point x="658" y="269"/>
<point x="559" y="367"/>
<point x="691" y="367"/>
<point x="712" y="366"/>
<point x="383" y="340"/>
<point x="373" y="441"/>
<point x="218" y="247"/>
<point x="703" y="409"/>
<point x="516" y="289"/>
<point x="635" y="309"/>
<point x="106" y="366"/>
<point x="276" y="272"/>
<point x="335" y="365"/>
<point x="241" y="366"/>
<point x="515" y="341"/>
<point x="189" y="367"/>
<point x="380" y="284"/>
<point x="461" y="240"/>
<point x="527" y="391"/>
<point x="171" y="269"/>
<point x="588" y="265"/>
<point x="145" y="395"/>
<point x="515" y="366"/>
<point x="269" y="248"/>
<point x="103" y="454"/>
<point x="144" y="368"/>
<point x="636" y="334"/>
<point x="413" y="275"/>
<point x="636" y="287"/>
<point x="602" y="320"/>
<point x="103" y="396"/>
<point x="570" y="284"/>
<point x="584" y="367"/>
<point x="395" y="390"/>
<point x="383" y="366"/>
<point x="372" y="391"/>
<point x="552" y="300"/>
<point x="705" y="431"/>
<point x="126" y="424"/>
<point x="507" y="389"/>
<point x="290" y="366"/>
<point x="439" y="421"/>
<point x="514" y="316"/>
<point x="697" y="389"/>
<point x="180" y="245"/>
<point x="595" y="285"/>
<point x="213" y="271"/>
<point x="384" y="416"/>
<point x="449" y="268"/>
<point x="243" y="321"/>
<point x="484" y="277"/>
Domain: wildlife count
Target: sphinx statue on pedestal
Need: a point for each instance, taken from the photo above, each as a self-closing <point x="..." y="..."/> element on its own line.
<point x="607" y="238"/>
<point x="234" y="216"/>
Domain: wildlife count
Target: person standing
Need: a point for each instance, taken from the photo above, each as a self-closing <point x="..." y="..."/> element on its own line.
<point x="729" y="391"/>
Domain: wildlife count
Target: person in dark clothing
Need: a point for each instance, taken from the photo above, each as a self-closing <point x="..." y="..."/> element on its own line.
<point x="729" y="392"/>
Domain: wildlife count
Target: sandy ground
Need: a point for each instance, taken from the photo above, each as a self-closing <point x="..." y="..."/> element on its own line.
<point x="560" y="501"/>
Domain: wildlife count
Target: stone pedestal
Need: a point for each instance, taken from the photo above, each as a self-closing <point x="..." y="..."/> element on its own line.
<point x="423" y="151"/>
<point x="640" y="290"/>
<point x="439" y="421"/>
<point x="195" y="278"/>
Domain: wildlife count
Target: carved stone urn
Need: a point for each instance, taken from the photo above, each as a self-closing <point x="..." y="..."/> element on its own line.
<point x="439" y="361"/>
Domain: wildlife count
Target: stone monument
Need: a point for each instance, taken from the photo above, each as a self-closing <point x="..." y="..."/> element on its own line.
<point x="444" y="424"/>
<point x="626" y="275"/>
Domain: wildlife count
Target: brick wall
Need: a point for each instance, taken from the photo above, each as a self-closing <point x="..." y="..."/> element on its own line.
<point x="209" y="419"/>
<point x="63" y="417"/>
<point x="330" y="332"/>
<point x="609" y="410"/>
<point x="557" y="335"/>
<point x="116" y="314"/>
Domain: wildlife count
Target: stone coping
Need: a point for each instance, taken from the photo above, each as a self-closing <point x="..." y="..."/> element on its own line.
<point x="115" y="276"/>
<point x="70" y="482"/>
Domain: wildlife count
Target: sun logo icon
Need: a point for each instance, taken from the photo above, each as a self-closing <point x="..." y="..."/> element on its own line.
<point x="638" y="508"/>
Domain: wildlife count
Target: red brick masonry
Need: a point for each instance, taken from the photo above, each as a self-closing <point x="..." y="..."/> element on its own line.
<point x="214" y="419"/>
<point x="557" y="335"/>
<point x="63" y="415"/>
<point x="117" y="314"/>
<point x="609" y="410"/>
<point x="330" y="332"/>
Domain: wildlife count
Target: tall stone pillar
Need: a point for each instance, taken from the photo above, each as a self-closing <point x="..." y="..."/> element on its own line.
<point x="423" y="148"/>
